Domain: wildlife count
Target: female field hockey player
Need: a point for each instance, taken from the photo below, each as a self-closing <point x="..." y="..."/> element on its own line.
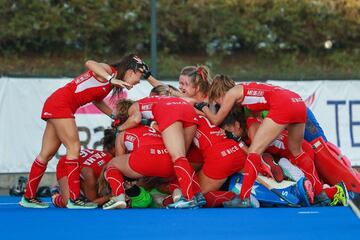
<point x="286" y="110"/>
<point x="58" y="112"/>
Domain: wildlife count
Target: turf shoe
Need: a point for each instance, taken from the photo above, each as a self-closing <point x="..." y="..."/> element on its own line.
<point x="291" y="171"/>
<point x="236" y="202"/>
<point x="182" y="203"/>
<point x="54" y="190"/>
<point x="80" y="204"/>
<point x="305" y="192"/>
<point x="33" y="203"/>
<point x="341" y="197"/>
<point x="200" y="199"/>
<point x="271" y="167"/>
<point x="117" y="202"/>
<point x="176" y="194"/>
<point x="321" y="200"/>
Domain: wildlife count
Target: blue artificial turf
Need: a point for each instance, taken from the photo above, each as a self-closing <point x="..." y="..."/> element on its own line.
<point x="264" y="223"/>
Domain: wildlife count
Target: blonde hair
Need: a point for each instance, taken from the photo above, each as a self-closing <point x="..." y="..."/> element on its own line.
<point x="122" y="108"/>
<point x="163" y="90"/>
<point x="219" y="86"/>
<point x="103" y="187"/>
<point x="199" y="76"/>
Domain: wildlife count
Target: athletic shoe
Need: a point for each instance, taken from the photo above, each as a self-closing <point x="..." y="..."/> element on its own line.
<point x="176" y="194"/>
<point x="33" y="203"/>
<point x="291" y="171"/>
<point x="116" y="202"/>
<point x="305" y="192"/>
<point x="236" y="202"/>
<point x="183" y="203"/>
<point x="321" y="200"/>
<point x="200" y="199"/>
<point x="54" y="190"/>
<point x="271" y="167"/>
<point x="341" y="197"/>
<point x="80" y="204"/>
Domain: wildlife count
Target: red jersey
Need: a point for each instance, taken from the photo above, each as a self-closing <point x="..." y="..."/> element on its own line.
<point x="147" y="104"/>
<point x="91" y="158"/>
<point x="257" y="95"/>
<point x="87" y="88"/>
<point x="209" y="137"/>
<point x="94" y="159"/>
<point x="141" y="136"/>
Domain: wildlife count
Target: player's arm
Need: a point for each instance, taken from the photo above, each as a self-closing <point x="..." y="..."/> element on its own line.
<point x="119" y="144"/>
<point x="101" y="200"/>
<point x="230" y="98"/>
<point x="104" y="72"/>
<point x="103" y="107"/>
<point x="154" y="82"/>
<point x="88" y="183"/>
<point x="133" y="120"/>
<point x="101" y="70"/>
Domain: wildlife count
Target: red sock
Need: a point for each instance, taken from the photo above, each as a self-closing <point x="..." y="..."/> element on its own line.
<point x="36" y="172"/>
<point x="58" y="201"/>
<point x="173" y="185"/>
<point x="167" y="200"/>
<point x="115" y="179"/>
<point x="306" y="164"/>
<point x="195" y="183"/>
<point x="185" y="175"/>
<point x="251" y="168"/>
<point x="73" y="174"/>
<point x="216" y="198"/>
<point x="330" y="192"/>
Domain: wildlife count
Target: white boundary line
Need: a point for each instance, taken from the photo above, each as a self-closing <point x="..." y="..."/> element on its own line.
<point x="12" y="203"/>
<point x="354" y="208"/>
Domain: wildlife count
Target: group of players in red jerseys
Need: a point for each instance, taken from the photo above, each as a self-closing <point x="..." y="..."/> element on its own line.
<point x="187" y="143"/>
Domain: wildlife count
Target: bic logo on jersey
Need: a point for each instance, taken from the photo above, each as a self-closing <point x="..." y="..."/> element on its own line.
<point x="229" y="150"/>
<point x="158" y="151"/>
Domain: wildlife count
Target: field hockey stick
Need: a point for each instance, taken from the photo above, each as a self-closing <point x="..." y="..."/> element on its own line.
<point x="291" y="202"/>
<point x="354" y="204"/>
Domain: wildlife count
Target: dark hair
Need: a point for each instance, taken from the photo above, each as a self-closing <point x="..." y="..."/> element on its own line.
<point x="236" y="114"/>
<point x="108" y="141"/>
<point x="126" y="63"/>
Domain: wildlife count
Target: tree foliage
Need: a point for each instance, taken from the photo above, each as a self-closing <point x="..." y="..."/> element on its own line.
<point x="184" y="26"/>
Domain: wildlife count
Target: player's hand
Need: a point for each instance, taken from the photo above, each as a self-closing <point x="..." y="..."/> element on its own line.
<point x="116" y="123"/>
<point x="199" y="106"/>
<point x="144" y="68"/>
<point x="120" y="83"/>
<point x="231" y="135"/>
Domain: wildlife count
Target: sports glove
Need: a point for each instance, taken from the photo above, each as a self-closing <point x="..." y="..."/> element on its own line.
<point x="146" y="70"/>
<point x="199" y="106"/>
<point x="146" y="122"/>
<point x="231" y="135"/>
<point x="115" y="123"/>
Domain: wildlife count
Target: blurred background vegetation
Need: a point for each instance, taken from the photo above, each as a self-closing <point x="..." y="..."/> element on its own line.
<point x="246" y="39"/>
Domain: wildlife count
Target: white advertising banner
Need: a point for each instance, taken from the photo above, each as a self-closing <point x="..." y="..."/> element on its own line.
<point x="21" y="128"/>
<point x="336" y="104"/>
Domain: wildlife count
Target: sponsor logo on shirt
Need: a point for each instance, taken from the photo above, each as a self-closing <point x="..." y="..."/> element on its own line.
<point x="158" y="151"/>
<point x="47" y="114"/>
<point x="230" y="150"/>
<point x="253" y="92"/>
